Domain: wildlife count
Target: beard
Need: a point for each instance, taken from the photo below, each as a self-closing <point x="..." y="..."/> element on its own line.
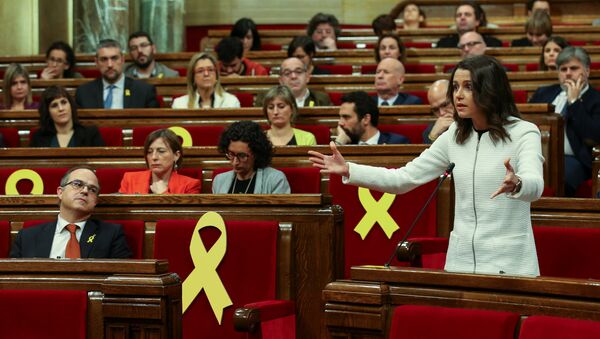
<point x="144" y="65"/>
<point x="354" y="135"/>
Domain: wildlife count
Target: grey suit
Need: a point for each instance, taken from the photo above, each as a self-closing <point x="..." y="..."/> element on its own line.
<point x="268" y="181"/>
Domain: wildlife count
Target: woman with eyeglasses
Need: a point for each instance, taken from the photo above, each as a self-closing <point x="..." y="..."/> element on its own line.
<point x="16" y="89"/>
<point x="164" y="155"/>
<point x="279" y="106"/>
<point x="203" y="86"/>
<point x="249" y="151"/>
<point x="303" y="48"/>
<point x="59" y="125"/>
<point x="60" y="60"/>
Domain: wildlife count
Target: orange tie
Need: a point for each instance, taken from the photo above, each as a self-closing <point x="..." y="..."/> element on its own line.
<point x="72" y="250"/>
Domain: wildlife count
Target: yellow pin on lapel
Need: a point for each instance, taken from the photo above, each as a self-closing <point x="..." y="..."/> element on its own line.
<point x="127" y="92"/>
<point x="91" y="238"/>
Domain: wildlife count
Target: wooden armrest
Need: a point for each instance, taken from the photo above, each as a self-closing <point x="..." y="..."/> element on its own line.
<point x="249" y="317"/>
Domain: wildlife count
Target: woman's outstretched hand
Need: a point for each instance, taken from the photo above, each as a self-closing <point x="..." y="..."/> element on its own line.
<point x="328" y="164"/>
<point x="510" y="180"/>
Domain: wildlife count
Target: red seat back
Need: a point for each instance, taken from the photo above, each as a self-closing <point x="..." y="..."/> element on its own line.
<point x="43" y="314"/>
<point x="410" y="68"/>
<point x="544" y="327"/>
<point x="50" y="179"/>
<point x="112" y="136"/>
<point x="247" y="270"/>
<point x="412" y="321"/>
<point x="201" y="135"/>
<point x="376" y="248"/>
<point x="10" y="136"/>
<point x="302" y="180"/>
<point x="532" y="67"/>
<point x="4" y="238"/>
<point x="322" y="133"/>
<point x="520" y="96"/>
<point x="336" y="98"/>
<point x="89" y="72"/>
<point x="414" y="132"/>
<point x="246" y="99"/>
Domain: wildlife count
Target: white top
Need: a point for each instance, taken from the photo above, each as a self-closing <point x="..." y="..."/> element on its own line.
<point x="62" y="236"/>
<point x="490" y="236"/>
<point x="225" y="101"/>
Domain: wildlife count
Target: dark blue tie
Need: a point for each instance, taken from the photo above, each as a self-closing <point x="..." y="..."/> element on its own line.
<point x="109" y="97"/>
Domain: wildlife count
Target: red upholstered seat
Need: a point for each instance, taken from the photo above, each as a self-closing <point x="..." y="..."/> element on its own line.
<point x="246" y="99"/>
<point x="338" y="69"/>
<point x="545" y="327"/>
<point x="416" y="44"/>
<point x="520" y="96"/>
<point x="4" y="238"/>
<point x="110" y="178"/>
<point x="10" y="136"/>
<point x="201" y="135"/>
<point x="89" y="72"/>
<point x="50" y="179"/>
<point x="112" y="136"/>
<point x="414" y="132"/>
<point x="247" y="271"/>
<point x="270" y="47"/>
<point x="322" y="133"/>
<point x="336" y="98"/>
<point x="532" y="67"/>
<point x="410" y="68"/>
<point x="585" y="190"/>
<point x="376" y="248"/>
<point x="43" y="314"/>
<point x="302" y="180"/>
<point x="412" y="322"/>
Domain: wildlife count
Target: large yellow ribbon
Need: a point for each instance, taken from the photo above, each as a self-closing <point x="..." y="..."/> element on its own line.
<point x="185" y="135"/>
<point x="10" y="187"/>
<point x="204" y="276"/>
<point x="376" y="212"/>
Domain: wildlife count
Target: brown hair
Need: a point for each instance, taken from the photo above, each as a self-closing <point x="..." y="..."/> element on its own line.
<point x="170" y="138"/>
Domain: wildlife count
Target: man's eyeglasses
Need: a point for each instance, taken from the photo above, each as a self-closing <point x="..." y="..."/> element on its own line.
<point x="437" y="109"/>
<point x="140" y="46"/>
<point x="240" y="156"/>
<point x="78" y="185"/>
<point x="469" y="44"/>
<point x="288" y="72"/>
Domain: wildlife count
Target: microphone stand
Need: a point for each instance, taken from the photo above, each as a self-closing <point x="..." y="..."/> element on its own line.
<point x="407" y="234"/>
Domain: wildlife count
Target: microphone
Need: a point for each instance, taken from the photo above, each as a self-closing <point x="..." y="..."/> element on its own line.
<point x="407" y="234"/>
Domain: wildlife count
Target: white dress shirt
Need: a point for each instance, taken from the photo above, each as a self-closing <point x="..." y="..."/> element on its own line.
<point x="62" y="236"/>
<point x="389" y="101"/>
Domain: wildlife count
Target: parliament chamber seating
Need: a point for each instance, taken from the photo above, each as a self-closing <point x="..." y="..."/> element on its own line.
<point x="247" y="270"/>
<point x="409" y="68"/>
<point x="112" y="136"/>
<point x="547" y="327"/>
<point x="201" y="135"/>
<point x="417" y="321"/>
<point x="322" y="133"/>
<point x="414" y="132"/>
<point x="49" y="180"/>
<point x="10" y="136"/>
<point x="246" y="99"/>
<point x="43" y="314"/>
<point x="4" y="238"/>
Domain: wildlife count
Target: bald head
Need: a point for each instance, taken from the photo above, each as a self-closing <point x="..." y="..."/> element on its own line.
<point x="471" y="44"/>
<point x="389" y="77"/>
<point x="436" y="95"/>
<point x="293" y="74"/>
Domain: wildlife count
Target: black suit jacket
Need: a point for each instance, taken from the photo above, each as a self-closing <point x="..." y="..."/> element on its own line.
<point x="109" y="241"/>
<point x="523" y="42"/>
<point x="582" y="120"/>
<point x="392" y="138"/>
<point x="83" y="136"/>
<point x="451" y="41"/>
<point x="403" y="99"/>
<point x="141" y="94"/>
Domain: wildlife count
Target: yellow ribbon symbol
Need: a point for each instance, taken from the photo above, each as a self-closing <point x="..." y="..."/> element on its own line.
<point x="204" y="276"/>
<point x="184" y="134"/>
<point x="24" y="174"/>
<point x="376" y="211"/>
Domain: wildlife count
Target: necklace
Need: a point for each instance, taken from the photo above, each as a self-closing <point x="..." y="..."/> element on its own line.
<point x="247" y="187"/>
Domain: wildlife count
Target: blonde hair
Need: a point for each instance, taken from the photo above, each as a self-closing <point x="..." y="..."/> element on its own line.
<point x="192" y="90"/>
<point x="12" y="71"/>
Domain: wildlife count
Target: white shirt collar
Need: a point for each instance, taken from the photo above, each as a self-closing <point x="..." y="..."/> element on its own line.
<point x="389" y="101"/>
<point x="118" y="84"/>
<point x="300" y="101"/>
<point x="372" y="140"/>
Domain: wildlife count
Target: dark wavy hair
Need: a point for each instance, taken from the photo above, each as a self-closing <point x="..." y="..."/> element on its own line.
<point x="401" y="47"/>
<point x="229" y="48"/>
<point x="50" y="94"/>
<point x="557" y="40"/>
<point x="478" y="10"/>
<point x="323" y="18"/>
<point x="65" y="47"/>
<point x="363" y="105"/>
<point x="302" y="41"/>
<point x="383" y="23"/>
<point x="170" y="138"/>
<point x="250" y="133"/>
<point x="241" y="28"/>
<point x="492" y="94"/>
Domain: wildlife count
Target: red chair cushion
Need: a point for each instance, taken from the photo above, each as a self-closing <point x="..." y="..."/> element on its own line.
<point x="50" y="179"/>
<point x="336" y="98"/>
<point x="322" y="133"/>
<point x="112" y="136"/>
<point x="414" y="132"/>
<point x="532" y="67"/>
<point x="4" y="238"/>
<point x="246" y="99"/>
<point x="412" y="321"/>
<point x="134" y="233"/>
<point x="89" y="72"/>
<point x="43" y="314"/>
<point x="10" y="136"/>
<point x="520" y="96"/>
<point x="544" y="327"/>
<point x="201" y="135"/>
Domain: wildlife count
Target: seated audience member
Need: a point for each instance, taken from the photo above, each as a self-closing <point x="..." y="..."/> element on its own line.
<point x="59" y="125"/>
<point x="471" y="44"/>
<point x="74" y="234"/>
<point x="538" y="29"/>
<point x="279" y="106"/>
<point x="16" y="89"/>
<point x="469" y="17"/>
<point x="579" y="104"/>
<point x="359" y="117"/>
<point x="230" y="51"/>
<point x="535" y="5"/>
<point x="389" y="76"/>
<point x="324" y="30"/>
<point x="164" y="156"/>
<point x="389" y="46"/>
<point x="245" y="30"/>
<point x="303" y="48"/>
<point x="141" y="51"/>
<point x="113" y="90"/>
<point x="553" y="46"/>
<point x="441" y="108"/>
<point x="249" y="150"/>
<point x="413" y="16"/>
<point x="383" y="24"/>
<point x="60" y="60"/>
<point x="294" y="75"/>
<point x="204" y="88"/>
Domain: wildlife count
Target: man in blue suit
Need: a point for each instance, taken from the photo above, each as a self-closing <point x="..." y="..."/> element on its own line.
<point x="73" y="234"/>
<point x="579" y="104"/>
<point x="358" y="122"/>
<point x="389" y="76"/>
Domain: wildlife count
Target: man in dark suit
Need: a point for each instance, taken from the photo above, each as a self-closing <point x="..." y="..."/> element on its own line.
<point x="114" y="90"/>
<point x="469" y="16"/>
<point x="73" y="234"/>
<point x="389" y="76"/>
<point x="579" y="104"/>
<point x="358" y="122"/>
